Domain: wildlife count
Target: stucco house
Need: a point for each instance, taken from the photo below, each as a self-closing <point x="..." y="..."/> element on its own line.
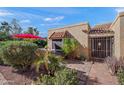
<point x="96" y="42"/>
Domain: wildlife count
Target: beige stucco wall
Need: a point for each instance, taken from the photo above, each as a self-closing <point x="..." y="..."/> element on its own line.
<point x="49" y="40"/>
<point x="122" y="36"/>
<point x="118" y="28"/>
<point x="78" y="34"/>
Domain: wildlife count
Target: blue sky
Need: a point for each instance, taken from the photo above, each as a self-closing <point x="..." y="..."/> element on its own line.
<point x="52" y="17"/>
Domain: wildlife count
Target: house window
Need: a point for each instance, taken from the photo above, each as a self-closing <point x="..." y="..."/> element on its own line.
<point x="57" y="44"/>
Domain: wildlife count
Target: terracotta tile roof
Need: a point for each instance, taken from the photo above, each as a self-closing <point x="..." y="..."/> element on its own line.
<point x="60" y="35"/>
<point x="70" y="26"/>
<point x="85" y="31"/>
<point x="102" y="28"/>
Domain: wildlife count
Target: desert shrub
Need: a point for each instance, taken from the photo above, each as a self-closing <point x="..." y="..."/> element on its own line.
<point x="120" y="72"/>
<point x="1" y="61"/>
<point x="55" y="63"/>
<point x="19" y="54"/>
<point x="62" y="77"/>
<point x="51" y="61"/>
<point x="116" y="67"/>
<point x="69" y="47"/>
<point x="40" y="43"/>
<point x="1" y="45"/>
<point x="57" y="74"/>
<point x="120" y="76"/>
<point x="4" y="36"/>
<point x="40" y="61"/>
<point x="81" y="57"/>
<point x="112" y="64"/>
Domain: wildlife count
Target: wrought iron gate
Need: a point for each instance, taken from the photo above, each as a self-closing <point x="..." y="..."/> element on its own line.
<point x="101" y="47"/>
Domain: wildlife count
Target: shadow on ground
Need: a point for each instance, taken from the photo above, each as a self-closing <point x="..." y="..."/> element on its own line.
<point x="73" y="62"/>
<point x="85" y="80"/>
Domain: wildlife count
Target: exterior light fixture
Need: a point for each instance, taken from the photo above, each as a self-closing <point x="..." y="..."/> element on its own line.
<point x="99" y="44"/>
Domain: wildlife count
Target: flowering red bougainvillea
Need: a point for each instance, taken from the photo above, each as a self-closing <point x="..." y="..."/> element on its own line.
<point x="28" y="36"/>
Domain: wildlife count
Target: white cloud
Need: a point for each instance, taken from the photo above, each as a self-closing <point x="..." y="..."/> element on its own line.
<point x="44" y="34"/>
<point x="5" y="13"/>
<point x="119" y="10"/>
<point x="25" y="21"/>
<point x="58" y="18"/>
<point x="50" y="24"/>
<point x="19" y="14"/>
<point x="42" y="24"/>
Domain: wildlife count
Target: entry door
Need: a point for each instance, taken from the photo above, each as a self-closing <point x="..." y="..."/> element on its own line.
<point x="101" y="47"/>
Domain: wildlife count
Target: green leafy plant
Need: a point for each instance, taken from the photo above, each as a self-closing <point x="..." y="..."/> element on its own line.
<point x="57" y="74"/>
<point x="69" y="47"/>
<point x="41" y="53"/>
<point x="32" y="30"/>
<point x="50" y="61"/>
<point x="63" y="76"/>
<point x="1" y="61"/>
<point x="81" y="57"/>
<point x="54" y="63"/>
<point x="1" y="45"/>
<point x="40" y="43"/>
<point x="120" y="75"/>
<point x="4" y="36"/>
<point x="19" y="54"/>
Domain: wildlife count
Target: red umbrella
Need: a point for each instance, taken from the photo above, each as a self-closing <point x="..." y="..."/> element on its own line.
<point x="30" y="36"/>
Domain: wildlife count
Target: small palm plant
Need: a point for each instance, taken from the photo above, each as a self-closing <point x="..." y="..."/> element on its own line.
<point x="42" y="59"/>
<point x="69" y="46"/>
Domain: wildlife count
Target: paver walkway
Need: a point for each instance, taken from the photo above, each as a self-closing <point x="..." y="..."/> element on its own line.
<point x="80" y="66"/>
<point x="3" y="81"/>
<point x="83" y="69"/>
<point x="93" y="74"/>
<point x="99" y="74"/>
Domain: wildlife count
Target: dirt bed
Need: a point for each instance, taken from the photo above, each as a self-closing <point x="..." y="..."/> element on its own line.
<point x="13" y="77"/>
